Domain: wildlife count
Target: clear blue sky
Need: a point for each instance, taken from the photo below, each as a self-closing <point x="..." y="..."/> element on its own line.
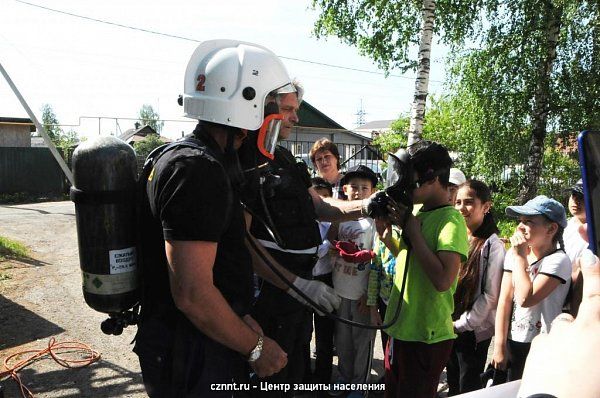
<point x="87" y="68"/>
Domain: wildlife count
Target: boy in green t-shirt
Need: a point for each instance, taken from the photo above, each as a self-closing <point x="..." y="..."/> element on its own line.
<point x="421" y="339"/>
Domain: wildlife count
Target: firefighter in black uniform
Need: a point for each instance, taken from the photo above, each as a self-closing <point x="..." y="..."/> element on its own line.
<point x="195" y="335"/>
<point x="286" y="203"/>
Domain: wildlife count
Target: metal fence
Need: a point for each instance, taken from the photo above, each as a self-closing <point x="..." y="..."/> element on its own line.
<point x="350" y="154"/>
<point x="31" y="171"/>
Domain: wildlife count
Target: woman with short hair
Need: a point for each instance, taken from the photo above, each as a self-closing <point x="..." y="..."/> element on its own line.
<point x="325" y="157"/>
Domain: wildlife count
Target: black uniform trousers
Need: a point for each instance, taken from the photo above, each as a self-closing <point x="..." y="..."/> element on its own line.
<point x="178" y="361"/>
<point x="324" y="332"/>
<point x="286" y="321"/>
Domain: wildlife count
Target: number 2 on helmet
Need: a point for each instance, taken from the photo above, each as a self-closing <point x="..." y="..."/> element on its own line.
<point x="200" y="86"/>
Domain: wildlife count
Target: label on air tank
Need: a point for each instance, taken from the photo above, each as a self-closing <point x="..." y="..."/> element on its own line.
<point x="122" y="260"/>
<point x="109" y="284"/>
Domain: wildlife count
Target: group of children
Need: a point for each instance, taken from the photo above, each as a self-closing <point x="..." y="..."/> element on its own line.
<point x="462" y="286"/>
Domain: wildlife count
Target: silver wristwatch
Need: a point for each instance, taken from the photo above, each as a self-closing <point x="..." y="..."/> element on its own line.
<point x="255" y="353"/>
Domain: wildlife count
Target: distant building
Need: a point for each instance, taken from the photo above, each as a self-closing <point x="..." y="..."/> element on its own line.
<point x="374" y="128"/>
<point x="314" y="125"/>
<point x="16" y="132"/>
<point x="138" y="133"/>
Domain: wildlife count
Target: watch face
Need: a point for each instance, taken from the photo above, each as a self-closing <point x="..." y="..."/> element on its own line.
<point x="255" y="354"/>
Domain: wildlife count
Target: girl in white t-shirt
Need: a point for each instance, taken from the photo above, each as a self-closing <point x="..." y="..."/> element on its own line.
<point x="537" y="275"/>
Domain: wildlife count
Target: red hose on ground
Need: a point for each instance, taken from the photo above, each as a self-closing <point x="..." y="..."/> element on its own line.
<point x="86" y="354"/>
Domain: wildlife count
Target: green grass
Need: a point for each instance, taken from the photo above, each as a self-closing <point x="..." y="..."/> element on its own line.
<point x="12" y="249"/>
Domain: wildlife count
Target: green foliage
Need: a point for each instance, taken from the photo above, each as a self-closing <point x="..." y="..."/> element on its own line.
<point x="64" y="141"/>
<point x="507" y="227"/>
<point x="560" y="171"/>
<point x="145" y="146"/>
<point x="505" y="77"/>
<point x="148" y="116"/>
<point x="12" y="249"/>
<point x="387" y="31"/>
<point x="51" y="123"/>
<point x="395" y="139"/>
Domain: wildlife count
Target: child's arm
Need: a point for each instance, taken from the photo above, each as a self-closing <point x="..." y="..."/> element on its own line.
<point x="527" y="292"/>
<point x="385" y="233"/>
<point x="441" y="267"/>
<point x="373" y="285"/>
<point x="500" y="358"/>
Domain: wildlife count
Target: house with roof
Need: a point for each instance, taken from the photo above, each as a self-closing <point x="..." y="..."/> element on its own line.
<point x="315" y="125"/>
<point x="374" y="128"/>
<point x="139" y="133"/>
<point x="16" y="132"/>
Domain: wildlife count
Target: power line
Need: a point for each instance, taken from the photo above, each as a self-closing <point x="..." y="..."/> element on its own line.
<point x="198" y="41"/>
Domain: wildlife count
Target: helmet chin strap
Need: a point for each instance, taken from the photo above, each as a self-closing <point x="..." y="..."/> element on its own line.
<point x="232" y="162"/>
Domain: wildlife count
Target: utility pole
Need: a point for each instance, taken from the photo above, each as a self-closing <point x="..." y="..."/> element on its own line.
<point x="39" y="127"/>
<point x="360" y="115"/>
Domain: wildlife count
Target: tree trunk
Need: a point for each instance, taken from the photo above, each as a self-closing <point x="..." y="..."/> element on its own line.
<point x="541" y="100"/>
<point x="417" y="114"/>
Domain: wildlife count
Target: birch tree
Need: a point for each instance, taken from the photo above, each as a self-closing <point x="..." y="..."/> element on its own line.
<point x="148" y="116"/>
<point x="415" y="131"/>
<point x="535" y="80"/>
<point x="387" y="31"/>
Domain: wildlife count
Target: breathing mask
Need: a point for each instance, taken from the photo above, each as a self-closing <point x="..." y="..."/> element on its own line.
<point x="426" y="158"/>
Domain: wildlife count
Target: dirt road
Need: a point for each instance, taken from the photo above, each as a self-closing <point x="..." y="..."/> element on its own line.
<point x="42" y="299"/>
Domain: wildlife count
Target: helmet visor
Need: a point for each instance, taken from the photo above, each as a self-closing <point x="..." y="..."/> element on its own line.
<point x="268" y="135"/>
<point x="285" y="89"/>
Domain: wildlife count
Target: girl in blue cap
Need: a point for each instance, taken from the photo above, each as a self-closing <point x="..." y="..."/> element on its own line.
<point x="535" y="283"/>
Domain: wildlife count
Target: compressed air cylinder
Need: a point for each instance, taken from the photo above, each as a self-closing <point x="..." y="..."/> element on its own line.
<point x="104" y="172"/>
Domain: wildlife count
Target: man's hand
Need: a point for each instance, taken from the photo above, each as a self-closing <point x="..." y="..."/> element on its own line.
<point x="319" y="292"/>
<point x="365" y="203"/>
<point x="564" y="362"/>
<point x="272" y="359"/>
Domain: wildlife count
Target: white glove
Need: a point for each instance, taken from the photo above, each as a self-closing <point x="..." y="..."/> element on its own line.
<point x="318" y="291"/>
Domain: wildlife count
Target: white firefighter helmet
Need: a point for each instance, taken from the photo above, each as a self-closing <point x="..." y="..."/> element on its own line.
<point x="227" y="82"/>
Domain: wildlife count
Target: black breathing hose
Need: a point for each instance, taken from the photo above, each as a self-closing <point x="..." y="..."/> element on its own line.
<point x="319" y="307"/>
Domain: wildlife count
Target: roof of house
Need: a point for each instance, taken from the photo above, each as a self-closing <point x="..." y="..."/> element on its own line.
<point x="312" y="117"/>
<point x="134" y="135"/>
<point x="18" y="120"/>
<point x="376" y="125"/>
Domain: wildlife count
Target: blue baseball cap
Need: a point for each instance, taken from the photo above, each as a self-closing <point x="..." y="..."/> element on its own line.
<point x="540" y="205"/>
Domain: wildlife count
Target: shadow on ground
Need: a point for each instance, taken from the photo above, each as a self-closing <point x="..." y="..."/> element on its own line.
<point x="36" y="210"/>
<point x="21" y="262"/>
<point x="19" y="326"/>
<point x="81" y="382"/>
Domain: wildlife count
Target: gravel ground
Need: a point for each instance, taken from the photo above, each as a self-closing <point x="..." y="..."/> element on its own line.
<point x="42" y="298"/>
